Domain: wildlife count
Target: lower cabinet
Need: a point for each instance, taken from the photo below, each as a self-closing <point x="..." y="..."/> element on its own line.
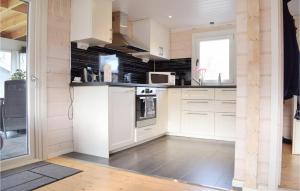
<point x="174" y="110"/>
<point x="121" y="117"/>
<point x="162" y="111"/>
<point x="145" y="133"/>
<point x="225" y="125"/>
<point x="197" y="123"/>
<point x="207" y="113"/>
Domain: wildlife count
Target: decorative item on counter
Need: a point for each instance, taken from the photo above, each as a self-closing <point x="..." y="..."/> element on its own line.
<point x="201" y="72"/>
<point x="128" y="78"/>
<point x="107" y="73"/>
<point x="220" y="79"/>
<point x="88" y="74"/>
<point x="77" y="80"/>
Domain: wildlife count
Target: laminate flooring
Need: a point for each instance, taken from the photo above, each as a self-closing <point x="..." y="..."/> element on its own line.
<point x="195" y="161"/>
<point x="97" y="177"/>
<point x="290" y="172"/>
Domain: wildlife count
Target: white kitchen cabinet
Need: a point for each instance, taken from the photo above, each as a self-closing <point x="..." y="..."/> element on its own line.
<point x="174" y="110"/>
<point x="91" y="21"/>
<point x="198" y="93"/>
<point x="225" y="94"/>
<point x="145" y="133"/>
<point x="225" y="125"/>
<point x="153" y="36"/>
<point x="162" y="111"/>
<point x="207" y="113"/>
<point x="104" y="119"/>
<point x="121" y="117"/>
<point x="197" y="123"/>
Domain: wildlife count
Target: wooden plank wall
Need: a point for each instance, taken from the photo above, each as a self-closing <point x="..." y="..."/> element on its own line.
<point x="253" y="92"/>
<point x="60" y="134"/>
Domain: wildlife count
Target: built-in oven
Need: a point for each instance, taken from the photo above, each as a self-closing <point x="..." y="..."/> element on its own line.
<point x="145" y="106"/>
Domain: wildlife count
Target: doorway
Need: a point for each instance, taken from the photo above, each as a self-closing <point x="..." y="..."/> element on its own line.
<point x="17" y="89"/>
<point x="290" y="159"/>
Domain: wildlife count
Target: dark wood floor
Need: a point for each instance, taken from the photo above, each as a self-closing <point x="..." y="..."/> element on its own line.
<point x="208" y="163"/>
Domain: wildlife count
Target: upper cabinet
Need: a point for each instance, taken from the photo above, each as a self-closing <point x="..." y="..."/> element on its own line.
<point x="91" y="21"/>
<point x="152" y="35"/>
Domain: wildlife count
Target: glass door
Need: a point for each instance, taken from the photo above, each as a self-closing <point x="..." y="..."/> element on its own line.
<point x="16" y="87"/>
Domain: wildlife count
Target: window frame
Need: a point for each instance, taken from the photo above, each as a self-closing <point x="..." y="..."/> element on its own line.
<point x="210" y="36"/>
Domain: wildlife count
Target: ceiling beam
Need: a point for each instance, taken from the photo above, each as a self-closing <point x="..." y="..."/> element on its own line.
<point x="13" y="22"/>
<point x="20" y="33"/>
<point x="10" y="5"/>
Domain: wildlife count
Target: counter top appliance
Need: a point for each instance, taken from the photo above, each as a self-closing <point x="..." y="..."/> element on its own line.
<point x="162" y="78"/>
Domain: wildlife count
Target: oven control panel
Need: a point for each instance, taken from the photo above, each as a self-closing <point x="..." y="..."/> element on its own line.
<point x="145" y="91"/>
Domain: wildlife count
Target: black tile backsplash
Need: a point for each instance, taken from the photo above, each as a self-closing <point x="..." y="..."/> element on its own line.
<point x="127" y="64"/>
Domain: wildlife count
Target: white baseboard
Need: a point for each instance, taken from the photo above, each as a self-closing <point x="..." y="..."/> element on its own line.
<point x="237" y="183"/>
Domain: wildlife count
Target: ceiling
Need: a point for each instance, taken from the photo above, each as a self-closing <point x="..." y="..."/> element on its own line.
<point x="185" y="13"/>
<point x="294" y="7"/>
<point x="13" y="19"/>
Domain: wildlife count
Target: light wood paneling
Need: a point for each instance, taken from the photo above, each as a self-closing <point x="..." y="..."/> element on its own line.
<point x="60" y="130"/>
<point x="95" y="177"/>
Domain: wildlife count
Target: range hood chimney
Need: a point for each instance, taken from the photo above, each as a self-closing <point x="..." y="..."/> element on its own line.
<point x="121" y="41"/>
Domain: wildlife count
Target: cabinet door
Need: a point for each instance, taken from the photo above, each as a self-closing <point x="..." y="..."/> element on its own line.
<point x="121" y="117"/>
<point x="91" y="21"/>
<point x="225" y="125"/>
<point x="174" y="110"/>
<point x="197" y="123"/>
<point x="102" y="20"/>
<point x="162" y="111"/>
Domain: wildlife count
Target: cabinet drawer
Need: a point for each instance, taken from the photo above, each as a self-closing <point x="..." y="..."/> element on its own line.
<point x="225" y="94"/>
<point x="198" y="93"/>
<point x="225" y="125"/>
<point x="225" y="106"/>
<point x="197" y="105"/>
<point x="145" y="133"/>
<point x="198" y="123"/>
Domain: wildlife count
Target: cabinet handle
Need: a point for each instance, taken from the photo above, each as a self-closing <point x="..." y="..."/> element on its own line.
<point x="227" y="102"/>
<point x="228" y="90"/>
<point x="148" y="129"/>
<point x="204" y="114"/>
<point x="198" y="102"/>
<point x="197" y="90"/>
<point x="228" y="115"/>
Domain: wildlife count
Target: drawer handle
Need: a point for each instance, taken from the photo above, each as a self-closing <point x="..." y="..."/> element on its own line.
<point x="228" y="115"/>
<point x="148" y="129"/>
<point x="198" y="102"/>
<point x="197" y="90"/>
<point x="227" y="102"/>
<point x="204" y="114"/>
<point x="228" y="90"/>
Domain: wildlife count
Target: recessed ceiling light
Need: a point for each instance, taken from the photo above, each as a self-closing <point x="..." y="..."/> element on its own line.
<point x="170" y="16"/>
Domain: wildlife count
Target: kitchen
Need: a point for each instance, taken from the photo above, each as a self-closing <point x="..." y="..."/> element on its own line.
<point x="135" y="94"/>
<point x="148" y="95"/>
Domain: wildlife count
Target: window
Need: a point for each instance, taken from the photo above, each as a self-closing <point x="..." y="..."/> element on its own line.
<point x="213" y="54"/>
<point x="5" y="60"/>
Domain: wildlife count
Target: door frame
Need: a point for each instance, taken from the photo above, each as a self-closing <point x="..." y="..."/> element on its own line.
<point x="277" y="95"/>
<point x="37" y="46"/>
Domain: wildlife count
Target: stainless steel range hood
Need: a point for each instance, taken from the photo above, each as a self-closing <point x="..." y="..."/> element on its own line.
<point x="121" y="41"/>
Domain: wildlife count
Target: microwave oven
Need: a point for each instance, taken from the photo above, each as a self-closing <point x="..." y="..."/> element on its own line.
<point x="162" y="78"/>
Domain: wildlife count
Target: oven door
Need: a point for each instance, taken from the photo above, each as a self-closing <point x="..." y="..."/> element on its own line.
<point x="145" y="110"/>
